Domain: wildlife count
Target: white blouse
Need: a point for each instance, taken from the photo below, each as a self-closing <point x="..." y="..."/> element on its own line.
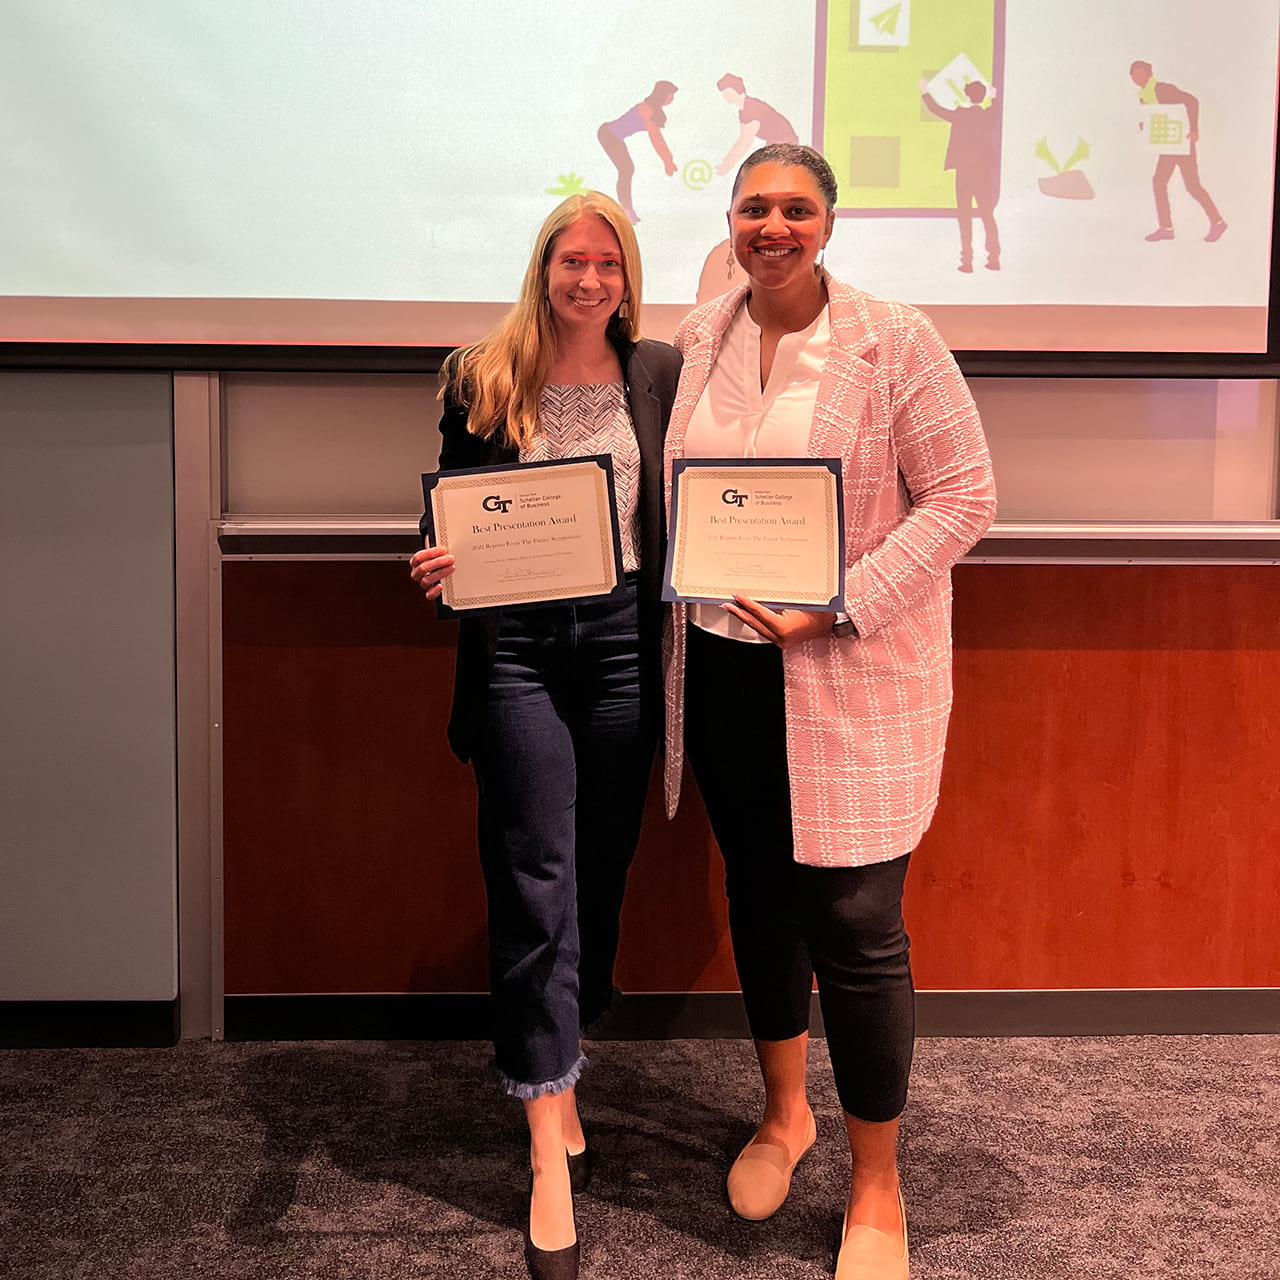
<point x="736" y="418"/>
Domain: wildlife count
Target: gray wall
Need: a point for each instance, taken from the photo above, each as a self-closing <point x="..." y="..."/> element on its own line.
<point x="87" y="776"/>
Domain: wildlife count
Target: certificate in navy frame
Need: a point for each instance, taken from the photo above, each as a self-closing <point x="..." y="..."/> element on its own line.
<point x="834" y="605"/>
<point x="431" y="478"/>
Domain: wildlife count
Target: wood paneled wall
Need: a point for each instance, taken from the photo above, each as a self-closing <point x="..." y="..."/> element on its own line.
<point x="1110" y="813"/>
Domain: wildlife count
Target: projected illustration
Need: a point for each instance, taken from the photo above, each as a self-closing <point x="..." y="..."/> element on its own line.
<point x="881" y="24"/>
<point x="1171" y="128"/>
<point x="648" y="116"/>
<point x="760" y="123"/>
<point x="889" y="150"/>
<point x="1037" y="174"/>
<point x="973" y="153"/>
<point x="568" y="184"/>
<point x="1066" y="182"/>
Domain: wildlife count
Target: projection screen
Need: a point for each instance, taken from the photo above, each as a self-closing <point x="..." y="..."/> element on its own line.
<point x="328" y="172"/>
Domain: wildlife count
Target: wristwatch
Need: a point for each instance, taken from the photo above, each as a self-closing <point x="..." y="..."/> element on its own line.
<point x="844" y="628"/>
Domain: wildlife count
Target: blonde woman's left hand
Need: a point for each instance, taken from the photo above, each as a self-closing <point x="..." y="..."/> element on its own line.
<point x="783" y="627"/>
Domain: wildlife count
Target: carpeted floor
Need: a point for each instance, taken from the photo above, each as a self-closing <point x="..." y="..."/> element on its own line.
<point x="1045" y="1159"/>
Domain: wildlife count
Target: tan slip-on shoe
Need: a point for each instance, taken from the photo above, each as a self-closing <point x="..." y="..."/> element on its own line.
<point x="760" y="1177"/>
<point x="868" y="1254"/>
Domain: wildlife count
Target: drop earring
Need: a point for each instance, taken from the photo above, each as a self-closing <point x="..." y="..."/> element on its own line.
<point x="729" y="263"/>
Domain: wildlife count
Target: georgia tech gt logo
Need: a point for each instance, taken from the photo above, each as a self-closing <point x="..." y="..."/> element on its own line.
<point x="732" y="498"/>
<point x="495" y="503"/>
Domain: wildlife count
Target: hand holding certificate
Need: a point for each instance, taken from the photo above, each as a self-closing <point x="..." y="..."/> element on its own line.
<point x="526" y="535"/>
<point x="771" y="530"/>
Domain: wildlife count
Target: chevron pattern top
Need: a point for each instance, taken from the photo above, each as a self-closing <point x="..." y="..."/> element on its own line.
<point x="575" y="421"/>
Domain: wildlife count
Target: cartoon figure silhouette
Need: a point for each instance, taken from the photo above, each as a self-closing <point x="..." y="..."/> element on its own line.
<point x="1153" y="91"/>
<point x="761" y="124"/>
<point x="650" y="116"/>
<point x="972" y="151"/>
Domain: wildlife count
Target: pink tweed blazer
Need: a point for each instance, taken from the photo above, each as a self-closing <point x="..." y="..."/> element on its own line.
<point x="866" y="717"/>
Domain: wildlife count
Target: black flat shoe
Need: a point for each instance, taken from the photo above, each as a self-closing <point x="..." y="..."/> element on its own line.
<point x="550" y="1264"/>
<point x="580" y="1167"/>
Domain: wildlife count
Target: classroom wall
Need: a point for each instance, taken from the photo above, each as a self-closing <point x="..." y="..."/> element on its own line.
<point x="87" y="771"/>
<point x="1107" y="816"/>
<point x="1106" y="812"/>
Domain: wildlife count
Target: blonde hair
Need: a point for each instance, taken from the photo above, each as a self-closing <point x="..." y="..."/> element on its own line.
<point x="500" y="378"/>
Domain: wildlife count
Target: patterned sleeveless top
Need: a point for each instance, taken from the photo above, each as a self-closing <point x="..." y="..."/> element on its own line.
<point x="574" y="421"/>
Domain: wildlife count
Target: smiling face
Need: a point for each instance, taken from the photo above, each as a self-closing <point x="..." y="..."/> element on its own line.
<point x="586" y="282"/>
<point x="778" y="224"/>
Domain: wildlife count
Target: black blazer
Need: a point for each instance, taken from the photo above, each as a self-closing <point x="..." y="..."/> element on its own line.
<point x="650" y="371"/>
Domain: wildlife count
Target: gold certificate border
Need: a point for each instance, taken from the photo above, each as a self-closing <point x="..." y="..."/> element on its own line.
<point x="745" y="476"/>
<point x="521" y="478"/>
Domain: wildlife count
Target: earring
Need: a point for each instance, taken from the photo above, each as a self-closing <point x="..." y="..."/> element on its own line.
<point x="623" y="309"/>
<point x="729" y="263"/>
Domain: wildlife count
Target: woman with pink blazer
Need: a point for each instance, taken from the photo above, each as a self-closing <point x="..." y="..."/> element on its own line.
<point x="816" y="738"/>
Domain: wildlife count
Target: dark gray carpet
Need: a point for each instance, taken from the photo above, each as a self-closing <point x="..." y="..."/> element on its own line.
<point x="1029" y="1159"/>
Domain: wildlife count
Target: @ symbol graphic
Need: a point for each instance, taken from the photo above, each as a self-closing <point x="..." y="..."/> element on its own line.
<point x="696" y="174"/>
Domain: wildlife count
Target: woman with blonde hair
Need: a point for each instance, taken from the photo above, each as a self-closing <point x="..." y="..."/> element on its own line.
<point x="557" y="706"/>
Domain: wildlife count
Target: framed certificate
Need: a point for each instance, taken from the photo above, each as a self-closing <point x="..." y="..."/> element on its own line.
<point x="526" y="535"/>
<point x="771" y="529"/>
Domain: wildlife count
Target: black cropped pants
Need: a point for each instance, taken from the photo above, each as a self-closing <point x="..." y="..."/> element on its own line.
<point x="789" y="922"/>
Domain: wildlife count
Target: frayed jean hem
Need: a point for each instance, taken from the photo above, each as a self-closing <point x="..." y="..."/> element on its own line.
<point x="527" y="1092"/>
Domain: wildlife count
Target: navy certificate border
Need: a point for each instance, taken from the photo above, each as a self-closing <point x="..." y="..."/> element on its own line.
<point x="834" y="605"/>
<point x="605" y="461"/>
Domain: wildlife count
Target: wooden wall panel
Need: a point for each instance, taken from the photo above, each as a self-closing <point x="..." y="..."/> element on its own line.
<point x="1111" y="800"/>
<point x="1109" y="817"/>
<point x="348" y="848"/>
<point x="349" y="828"/>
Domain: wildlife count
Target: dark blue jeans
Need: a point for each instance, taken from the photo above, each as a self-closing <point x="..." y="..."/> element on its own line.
<point x="562" y="770"/>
